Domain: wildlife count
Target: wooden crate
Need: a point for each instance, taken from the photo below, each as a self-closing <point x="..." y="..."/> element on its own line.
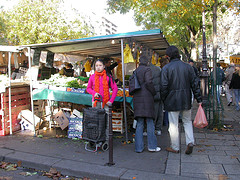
<point x="20" y="100"/>
<point x="117" y="122"/>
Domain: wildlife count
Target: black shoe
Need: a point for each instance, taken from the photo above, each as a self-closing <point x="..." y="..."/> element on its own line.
<point x="229" y="103"/>
<point x="189" y="149"/>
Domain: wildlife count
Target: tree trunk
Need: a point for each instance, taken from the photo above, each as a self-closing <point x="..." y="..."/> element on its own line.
<point x="193" y="46"/>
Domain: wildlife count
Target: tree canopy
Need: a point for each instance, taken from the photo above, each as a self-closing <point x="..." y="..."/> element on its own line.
<point x="39" y="21"/>
<point x="181" y="21"/>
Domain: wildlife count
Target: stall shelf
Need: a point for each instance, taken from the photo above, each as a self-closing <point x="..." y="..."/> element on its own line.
<point x="20" y="100"/>
<point x="73" y="97"/>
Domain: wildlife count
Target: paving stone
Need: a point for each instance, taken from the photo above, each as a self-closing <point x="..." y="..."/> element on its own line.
<point x="215" y="159"/>
<point x="203" y="151"/>
<point x="195" y="175"/>
<point x="173" y="167"/>
<point x="195" y="158"/>
<point x="32" y="160"/>
<point x="93" y="171"/>
<point x="199" y="135"/>
<point x="201" y="168"/>
<point x="237" y="143"/>
<point x="237" y="137"/>
<point x="226" y="148"/>
<point x="223" y="177"/>
<point x="174" y="156"/>
<point x="214" y="142"/>
<point x="233" y="153"/>
<point x="205" y="147"/>
<point x="4" y="152"/>
<point x="232" y="169"/>
<point x="220" y="137"/>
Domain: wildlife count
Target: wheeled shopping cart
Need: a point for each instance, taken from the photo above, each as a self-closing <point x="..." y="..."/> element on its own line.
<point x="94" y="128"/>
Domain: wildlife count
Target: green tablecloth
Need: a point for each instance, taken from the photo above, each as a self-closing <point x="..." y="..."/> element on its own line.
<point x="73" y="97"/>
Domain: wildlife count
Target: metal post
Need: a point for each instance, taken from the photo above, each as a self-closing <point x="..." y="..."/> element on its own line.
<point x="204" y="74"/>
<point x="9" y="92"/>
<point x="110" y="140"/>
<point x="31" y="95"/>
<point x="124" y="96"/>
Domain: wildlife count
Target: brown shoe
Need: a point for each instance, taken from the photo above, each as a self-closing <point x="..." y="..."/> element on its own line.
<point x="169" y="149"/>
<point x="189" y="149"/>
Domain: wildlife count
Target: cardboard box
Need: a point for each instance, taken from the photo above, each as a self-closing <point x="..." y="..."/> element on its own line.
<point x="62" y="120"/>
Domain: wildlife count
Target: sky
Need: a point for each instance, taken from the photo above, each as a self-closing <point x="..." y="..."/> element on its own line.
<point x="125" y="22"/>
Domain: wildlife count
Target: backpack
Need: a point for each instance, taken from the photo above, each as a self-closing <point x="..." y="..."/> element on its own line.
<point x="134" y="83"/>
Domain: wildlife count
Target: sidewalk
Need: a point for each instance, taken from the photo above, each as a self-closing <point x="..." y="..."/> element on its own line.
<point x="215" y="156"/>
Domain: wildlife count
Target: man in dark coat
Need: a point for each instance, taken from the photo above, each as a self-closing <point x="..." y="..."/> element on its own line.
<point x="158" y="108"/>
<point x="143" y="103"/>
<point x="178" y="81"/>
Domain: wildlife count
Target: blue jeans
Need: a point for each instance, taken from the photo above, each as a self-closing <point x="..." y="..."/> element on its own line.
<point x="151" y="137"/>
<point x="237" y="97"/>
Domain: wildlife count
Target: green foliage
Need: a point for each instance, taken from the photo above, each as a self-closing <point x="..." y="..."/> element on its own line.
<point x="180" y="21"/>
<point x="38" y="21"/>
<point x="74" y="84"/>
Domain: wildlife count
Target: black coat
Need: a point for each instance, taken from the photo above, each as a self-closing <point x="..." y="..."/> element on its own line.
<point x="143" y="101"/>
<point x="235" y="82"/>
<point x="156" y="71"/>
<point x="178" y="79"/>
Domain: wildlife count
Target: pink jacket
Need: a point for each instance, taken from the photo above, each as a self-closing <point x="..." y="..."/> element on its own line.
<point x="91" y="87"/>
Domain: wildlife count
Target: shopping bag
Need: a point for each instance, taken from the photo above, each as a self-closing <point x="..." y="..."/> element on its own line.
<point x="200" y="120"/>
<point x="134" y="84"/>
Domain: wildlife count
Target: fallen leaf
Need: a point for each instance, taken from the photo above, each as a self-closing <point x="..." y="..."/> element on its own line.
<point x="208" y="145"/>
<point x="19" y="163"/>
<point x="201" y="150"/>
<point x="222" y="177"/>
<point x="234" y="157"/>
<point x="5" y="178"/>
<point x="134" y="177"/>
<point x="53" y="171"/>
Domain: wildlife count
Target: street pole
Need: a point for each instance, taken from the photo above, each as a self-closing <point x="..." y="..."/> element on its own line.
<point x="204" y="74"/>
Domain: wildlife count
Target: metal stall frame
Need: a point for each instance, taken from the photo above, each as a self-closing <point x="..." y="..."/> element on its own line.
<point x="108" y="46"/>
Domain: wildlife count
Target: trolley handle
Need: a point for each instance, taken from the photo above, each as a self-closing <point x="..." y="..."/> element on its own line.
<point x="99" y="99"/>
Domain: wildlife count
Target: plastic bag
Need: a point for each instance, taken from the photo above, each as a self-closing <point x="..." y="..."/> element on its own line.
<point x="128" y="54"/>
<point x="87" y="66"/>
<point x="200" y="120"/>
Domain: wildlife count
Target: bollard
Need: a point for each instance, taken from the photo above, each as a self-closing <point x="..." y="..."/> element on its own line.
<point x="110" y="141"/>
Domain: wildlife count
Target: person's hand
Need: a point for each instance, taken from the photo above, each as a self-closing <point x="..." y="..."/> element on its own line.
<point x="109" y="103"/>
<point x="96" y="95"/>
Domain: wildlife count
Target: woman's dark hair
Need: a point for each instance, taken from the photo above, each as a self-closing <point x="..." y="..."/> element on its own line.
<point x="100" y="60"/>
<point x="172" y="52"/>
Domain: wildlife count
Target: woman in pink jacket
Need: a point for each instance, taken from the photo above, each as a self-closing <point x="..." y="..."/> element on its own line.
<point x="98" y="84"/>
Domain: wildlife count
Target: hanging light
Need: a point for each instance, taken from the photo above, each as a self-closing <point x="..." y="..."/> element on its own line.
<point x="113" y="42"/>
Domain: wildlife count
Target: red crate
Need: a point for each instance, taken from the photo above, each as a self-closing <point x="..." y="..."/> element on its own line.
<point x="20" y="100"/>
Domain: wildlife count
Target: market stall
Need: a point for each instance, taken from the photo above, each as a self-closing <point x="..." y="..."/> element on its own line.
<point x="113" y="46"/>
<point x="15" y="95"/>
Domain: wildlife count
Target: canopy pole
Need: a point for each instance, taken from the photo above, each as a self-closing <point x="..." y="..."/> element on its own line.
<point x="9" y="92"/>
<point x="30" y="78"/>
<point x="124" y="96"/>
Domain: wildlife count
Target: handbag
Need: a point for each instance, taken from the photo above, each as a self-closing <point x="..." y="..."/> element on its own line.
<point x="200" y="120"/>
<point x="134" y="84"/>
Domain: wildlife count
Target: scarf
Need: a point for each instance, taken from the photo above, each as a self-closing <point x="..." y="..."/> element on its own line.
<point x="105" y="87"/>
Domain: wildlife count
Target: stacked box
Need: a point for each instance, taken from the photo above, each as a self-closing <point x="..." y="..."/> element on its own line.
<point x="117" y="122"/>
<point x="75" y="128"/>
<point x="20" y="100"/>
